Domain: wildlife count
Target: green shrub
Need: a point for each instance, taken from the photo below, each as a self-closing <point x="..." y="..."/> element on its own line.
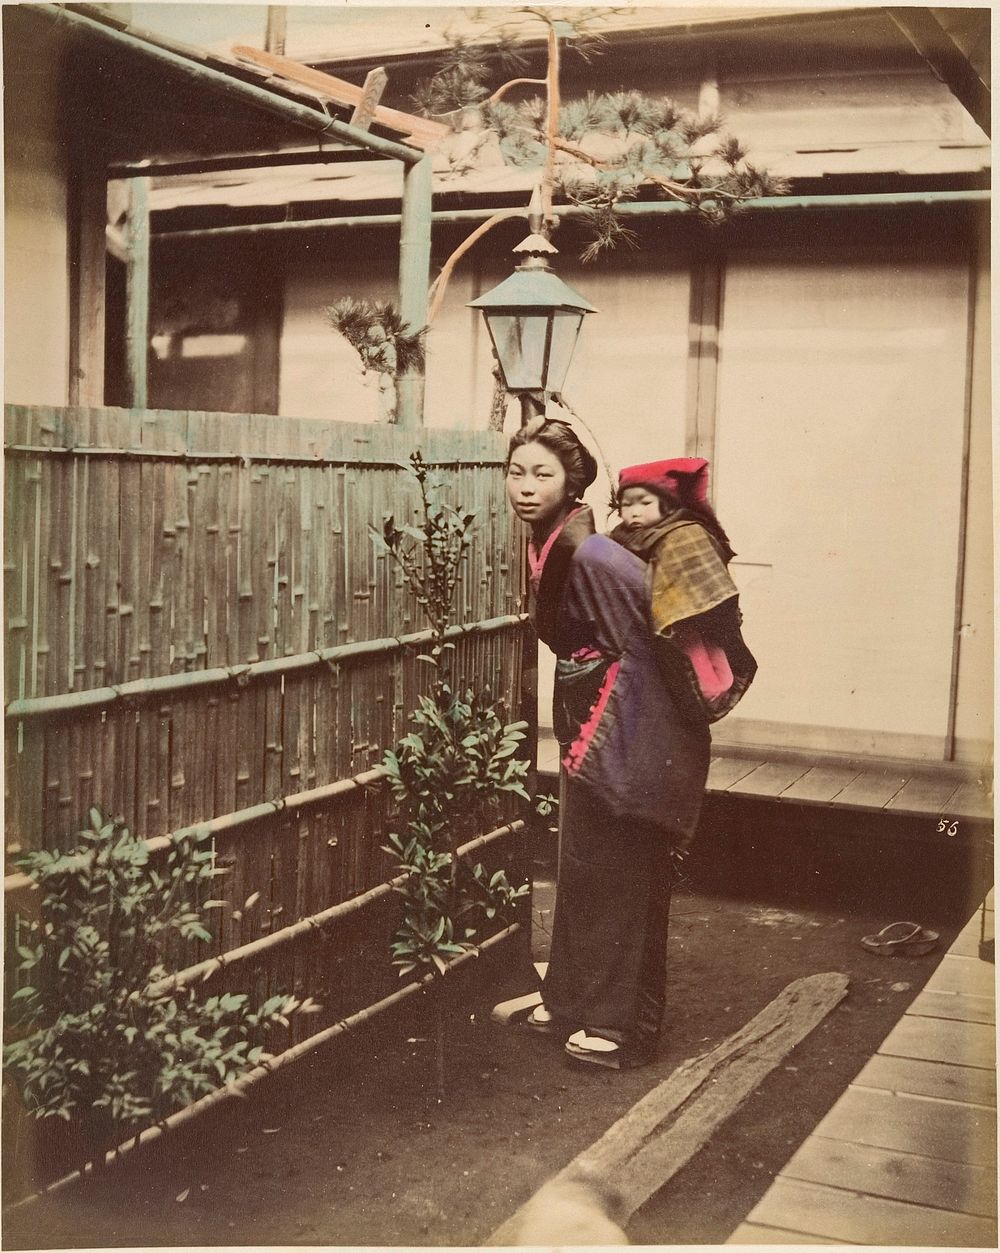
<point x="449" y="773"/>
<point x="87" y="1043"/>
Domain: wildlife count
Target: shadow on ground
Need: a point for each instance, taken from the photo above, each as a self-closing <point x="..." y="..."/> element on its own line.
<point x="353" y="1147"/>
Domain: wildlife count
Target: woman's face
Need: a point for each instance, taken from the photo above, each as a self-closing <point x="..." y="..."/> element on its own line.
<point x="536" y="485"/>
<point x="639" y="507"/>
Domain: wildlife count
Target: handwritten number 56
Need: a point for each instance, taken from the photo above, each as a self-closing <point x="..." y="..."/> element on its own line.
<point x="945" y="824"/>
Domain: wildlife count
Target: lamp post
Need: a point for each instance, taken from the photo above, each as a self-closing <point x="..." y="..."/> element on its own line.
<point x="533" y="318"/>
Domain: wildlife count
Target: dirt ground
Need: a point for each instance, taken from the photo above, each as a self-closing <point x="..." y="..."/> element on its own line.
<point x="352" y="1147"/>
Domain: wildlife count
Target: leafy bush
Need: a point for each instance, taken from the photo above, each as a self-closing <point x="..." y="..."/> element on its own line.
<point x="448" y="774"/>
<point x="87" y="1042"/>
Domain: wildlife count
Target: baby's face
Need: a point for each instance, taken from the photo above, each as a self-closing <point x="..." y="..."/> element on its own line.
<point x="639" y="507"/>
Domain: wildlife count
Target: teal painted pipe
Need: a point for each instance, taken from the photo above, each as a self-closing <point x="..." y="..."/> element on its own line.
<point x="652" y="208"/>
<point x="414" y="278"/>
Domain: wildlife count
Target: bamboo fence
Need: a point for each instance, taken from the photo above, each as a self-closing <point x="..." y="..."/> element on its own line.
<point x="199" y="631"/>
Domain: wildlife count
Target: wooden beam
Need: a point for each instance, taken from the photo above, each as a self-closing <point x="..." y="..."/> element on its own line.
<point x="420" y="131"/>
<point x="137" y="295"/>
<point x="256" y="160"/>
<point x="364" y="111"/>
<point x="660" y="1134"/>
<point x="277" y="28"/>
<point x="947" y="61"/>
<point x="89" y="213"/>
<point x="704" y="319"/>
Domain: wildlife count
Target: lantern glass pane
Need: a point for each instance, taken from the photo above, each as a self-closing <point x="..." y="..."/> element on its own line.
<point x="520" y="345"/>
<point x="565" y="329"/>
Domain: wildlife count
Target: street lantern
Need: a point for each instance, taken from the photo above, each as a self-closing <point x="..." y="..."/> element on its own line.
<point x="533" y="318"/>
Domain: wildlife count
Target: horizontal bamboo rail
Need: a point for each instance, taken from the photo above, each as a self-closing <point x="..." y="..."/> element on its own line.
<point x="226" y="458"/>
<point x="315" y="922"/>
<point x="239" y="1086"/>
<point x="185" y="681"/>
<point x="634" y="208"/>
<point x="232" y="821"/>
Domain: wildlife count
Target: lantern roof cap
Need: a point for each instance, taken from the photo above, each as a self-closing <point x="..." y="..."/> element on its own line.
<point x="535" y="243"/>
<point x="533" y="288"/>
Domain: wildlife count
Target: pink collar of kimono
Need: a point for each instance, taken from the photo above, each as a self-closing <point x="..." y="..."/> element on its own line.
<point x="536" y="559"/>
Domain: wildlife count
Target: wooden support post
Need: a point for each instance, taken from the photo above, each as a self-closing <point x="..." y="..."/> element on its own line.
<point x="88" y="223"/>
<point x="704" y="318"/>
<point x="364" y="111"/>
<point x="414" y="275"/>
<point x="137" y="295"/>
<point x="277" y="27"/>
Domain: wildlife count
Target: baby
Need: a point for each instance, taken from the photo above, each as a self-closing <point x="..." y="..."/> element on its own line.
<point x="668" y="522"/>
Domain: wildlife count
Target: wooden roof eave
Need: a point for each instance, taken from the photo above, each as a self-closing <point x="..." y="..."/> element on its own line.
<point x="947" y="60"/>
<point x="235" y="89"/>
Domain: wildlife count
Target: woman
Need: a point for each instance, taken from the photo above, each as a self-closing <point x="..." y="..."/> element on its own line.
<point x="634" y="768"/>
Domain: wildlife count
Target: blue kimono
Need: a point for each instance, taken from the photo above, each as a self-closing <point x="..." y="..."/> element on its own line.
<point x="623" y="736"/>
<point x="634" y="772"/>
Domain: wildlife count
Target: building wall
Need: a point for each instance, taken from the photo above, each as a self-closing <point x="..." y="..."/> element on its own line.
<point x="36" y="238"/>
<point x="835" y="430"/>
<point x="975" y="704"/>
<point x="838" y="456"/>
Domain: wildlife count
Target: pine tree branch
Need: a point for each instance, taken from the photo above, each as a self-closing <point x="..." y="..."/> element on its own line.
<point x="437" y="290"/>
<point x="514" y="82"/>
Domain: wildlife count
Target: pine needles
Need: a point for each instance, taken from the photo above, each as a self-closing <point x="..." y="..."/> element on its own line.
<point x="381" y="338"/>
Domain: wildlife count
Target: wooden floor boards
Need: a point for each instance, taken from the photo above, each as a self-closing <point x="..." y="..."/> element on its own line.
<point x="908" y="1154"/>
<point x="940" y="790"/>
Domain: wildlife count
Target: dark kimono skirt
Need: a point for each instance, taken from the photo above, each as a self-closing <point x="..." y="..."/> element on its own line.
<point x="634" y="772"/>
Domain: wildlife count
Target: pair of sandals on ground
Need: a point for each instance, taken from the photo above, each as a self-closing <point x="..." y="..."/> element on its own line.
<point x="585" y="1046"/>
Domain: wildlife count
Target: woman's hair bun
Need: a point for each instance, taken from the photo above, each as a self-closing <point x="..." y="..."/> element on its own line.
<point x="560" y="438"/>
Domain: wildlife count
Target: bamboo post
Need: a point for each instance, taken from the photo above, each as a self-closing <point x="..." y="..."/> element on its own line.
<point x="414" y="274"/>
<point x="137" y="294"/>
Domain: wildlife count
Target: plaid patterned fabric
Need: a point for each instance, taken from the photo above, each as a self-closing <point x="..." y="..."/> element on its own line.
<point x="688" y="575"/>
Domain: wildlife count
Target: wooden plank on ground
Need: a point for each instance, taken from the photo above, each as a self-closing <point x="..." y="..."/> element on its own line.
<point x="872" y="789"/>
<point x="955" y="1133"/>
<point x="770" y="779"/>
<point x="971" y="1085"/>
<point x="663" y="1131"/>
<point x="723" y="772"/>
<point x="821" y="784"/>
<point x="963" y="974"/>
<point x="961" y="1006"/>
<point x="910" y="1177"/>
<point x="853" y="1219"/>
